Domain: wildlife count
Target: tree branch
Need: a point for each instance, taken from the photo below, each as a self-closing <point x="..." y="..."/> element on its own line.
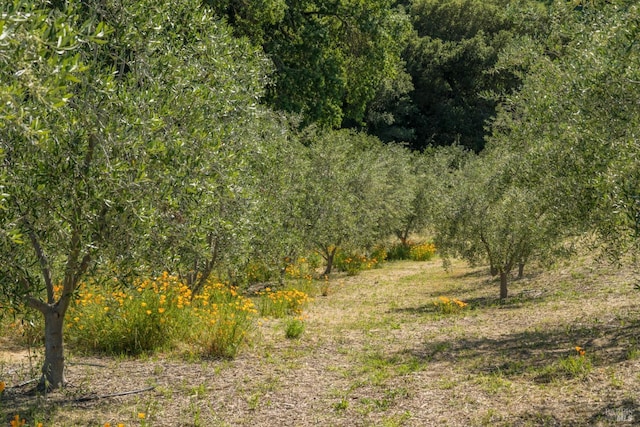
<point x="72" y="271"/>
<point x="37" y="304"/>
<point x="93" y="141"/>
<point x="42" y="260"/>
<point x="214" y="244"/>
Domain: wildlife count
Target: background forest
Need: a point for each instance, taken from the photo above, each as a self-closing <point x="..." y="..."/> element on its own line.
<point x="217" y="139"/>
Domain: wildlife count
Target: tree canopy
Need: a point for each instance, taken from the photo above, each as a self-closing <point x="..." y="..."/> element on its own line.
<point x="200" y="137"/>
<point x="329" y="56"/>
<point x="99" y="106"/>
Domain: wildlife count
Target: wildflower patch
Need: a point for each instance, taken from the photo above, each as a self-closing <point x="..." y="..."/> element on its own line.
<point x="281" y="303"/>
<point x="445" y="305"/>
<point x="353" y="263"/>
<point x="155" y="314"/>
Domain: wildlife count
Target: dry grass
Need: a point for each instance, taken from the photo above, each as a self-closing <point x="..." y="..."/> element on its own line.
<point x="375" y="352"/>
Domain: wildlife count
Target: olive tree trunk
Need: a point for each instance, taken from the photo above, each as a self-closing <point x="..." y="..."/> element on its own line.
<point x="53" y="367"/>
<point x="504" y="277"/>
<point x="54" y="311"/>
<point x="329" y="258"/>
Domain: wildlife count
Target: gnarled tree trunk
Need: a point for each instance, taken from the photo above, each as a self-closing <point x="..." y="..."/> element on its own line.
<point x="53" y="366"/>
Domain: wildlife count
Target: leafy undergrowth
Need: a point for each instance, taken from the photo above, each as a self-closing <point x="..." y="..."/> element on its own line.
<point x="407" y="344"/>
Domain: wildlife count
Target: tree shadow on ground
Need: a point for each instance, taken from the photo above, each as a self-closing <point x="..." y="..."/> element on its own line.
<point x="546" y="356"/>
<point x="519" y="300"/>
<point x="526" y="351"/>
<point x="480" y="272"/>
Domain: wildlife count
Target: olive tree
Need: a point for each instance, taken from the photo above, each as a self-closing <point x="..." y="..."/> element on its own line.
<point x="68" y="183"/>
<point x="488" y="217"/>
<point x="574" y="121"/>
<point x="354" y="191"/>
<point x="561" y="155"/>
<point x="91" y="118"/>
<point x="278" y="170"/>
<point x="209" y="130"/>
<point x="431" y="172"/>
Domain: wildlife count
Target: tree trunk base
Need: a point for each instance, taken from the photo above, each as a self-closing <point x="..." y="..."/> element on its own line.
<point x="503" y="285"/>
<point x="53" y="366"/>
<point x="520" y="271"/>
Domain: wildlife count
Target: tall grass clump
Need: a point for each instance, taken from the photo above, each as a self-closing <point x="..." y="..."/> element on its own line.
<point x="222" y="320"/>
<point x="111" y="319"/>
<point x="282" y="303"/>
<point x="294" y="327"/>
<point x="156" y="314"/>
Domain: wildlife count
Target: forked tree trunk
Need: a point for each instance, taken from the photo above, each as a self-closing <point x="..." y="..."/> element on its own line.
<point x="53" y="367"/>
<point x="404" y="234"/>
<point x="330" y="255"/>
<point x="54" y="311"/>
<point x="503" y="284"/>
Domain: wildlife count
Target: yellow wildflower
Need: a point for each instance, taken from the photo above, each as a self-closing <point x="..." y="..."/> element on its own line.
<point x="17" y="422"/>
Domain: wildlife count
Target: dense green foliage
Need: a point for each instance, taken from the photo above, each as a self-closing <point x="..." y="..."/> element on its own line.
<point x="419" y="71"/>
<point x="354" y="193"/>
<point x="451" y="61"/>
<point x="329" y="56"/>
<point x="561" y="158"/>
<point x="201" y="139"/>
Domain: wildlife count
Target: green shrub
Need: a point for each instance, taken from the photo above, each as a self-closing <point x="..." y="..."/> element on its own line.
<point x="226" y="320"/>
<point x="294" y="328"/>
<point x="422" y="252"/>
<point x="398" y="251"/>
<point x="445" y="305"/>
<point x="258" y="272"/>
<point x="349" y="262"/>
<point x="411" y="251"/>
<point x="353" y="263"/>
<point x="130" y="321"/>
<point x="379" y="254"/>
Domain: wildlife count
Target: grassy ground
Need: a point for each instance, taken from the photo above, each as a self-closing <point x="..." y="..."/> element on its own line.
<point x="377" y="351"/>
